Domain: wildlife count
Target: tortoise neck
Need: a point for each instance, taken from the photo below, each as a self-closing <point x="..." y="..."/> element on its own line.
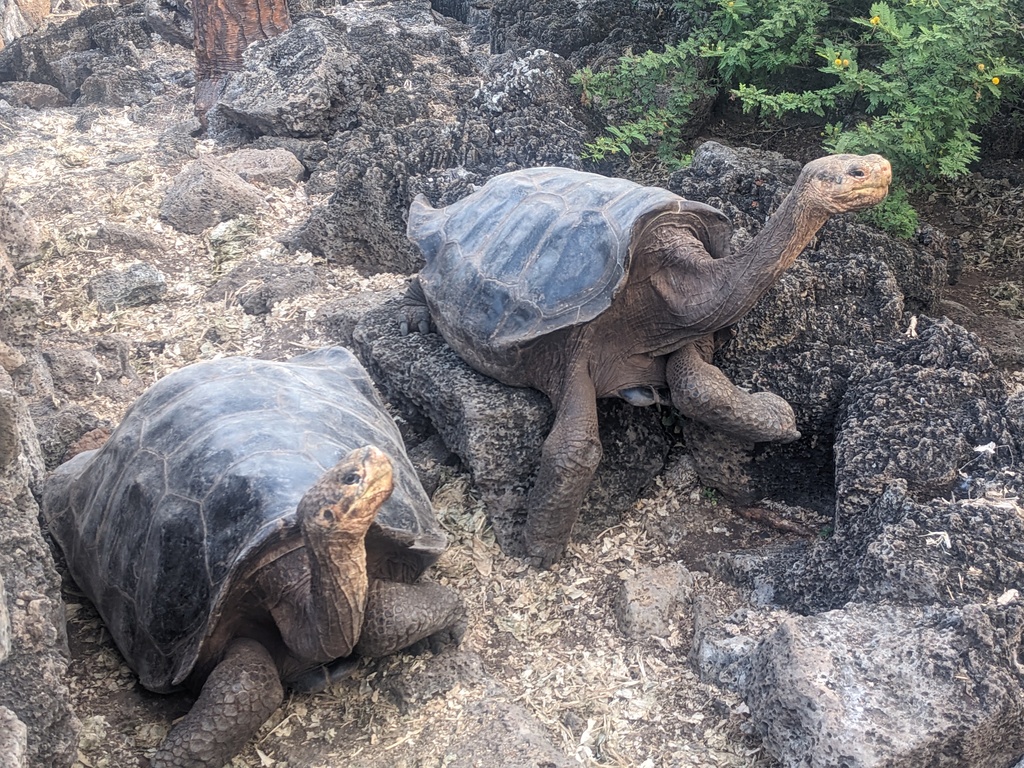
<point x="751" y="271"/>
<point x="337" y="592"/>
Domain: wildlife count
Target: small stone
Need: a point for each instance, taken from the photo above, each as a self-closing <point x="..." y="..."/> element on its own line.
<point x="32" y="95"/>
<point x="206" y="193"/>
<point x="257" y="287"/>
<point x="274" y="167"/>
<point x="649" y="602"/>
<point x="139" y="284"/>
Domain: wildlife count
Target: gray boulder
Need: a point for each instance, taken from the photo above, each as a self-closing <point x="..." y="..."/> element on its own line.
<point x="309" y="81"/>
<point x="32" y="95"/>
<point x="497" y="431"/>
<point x="32" y="689"/>
<point x="893" y="686"/>
<point x="139" y="284"/>
<point x="653" y="599"/>
<point x="274" y="167"/>
<point x="206" y="193"/>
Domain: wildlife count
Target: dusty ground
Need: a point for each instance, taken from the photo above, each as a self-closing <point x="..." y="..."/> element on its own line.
<point x="547" y="642"/>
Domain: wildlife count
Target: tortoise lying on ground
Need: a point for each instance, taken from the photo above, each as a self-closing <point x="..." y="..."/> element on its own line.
<point x="239" y="531"/>
<point x="584" y="286"/>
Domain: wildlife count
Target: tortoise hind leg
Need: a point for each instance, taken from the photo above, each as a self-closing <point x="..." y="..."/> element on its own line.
<point x="240" y="694"/>
<point x="569" y="458"/>
<point x="399" y="615"/>
<point x="413" y="313"/>
<point x="702" y="392"/>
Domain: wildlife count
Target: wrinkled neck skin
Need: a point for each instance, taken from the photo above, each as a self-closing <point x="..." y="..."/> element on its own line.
<point x="320" y="615"/>
<point x="338" y="587"/>
<point x="740" y="279"/>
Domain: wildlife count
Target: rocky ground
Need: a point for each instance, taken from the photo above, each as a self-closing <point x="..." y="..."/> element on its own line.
<point x="561" y="667"/>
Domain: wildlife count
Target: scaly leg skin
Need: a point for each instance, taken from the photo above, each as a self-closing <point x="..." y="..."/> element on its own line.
<point x="399" y="615"/>
<point x="413" y="314"/>
<point x="702" y="392"/>
<point x="568" y="461"/>
<point x="237" y="698"/>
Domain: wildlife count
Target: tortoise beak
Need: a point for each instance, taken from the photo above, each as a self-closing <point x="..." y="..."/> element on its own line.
<point x="378" y="479"/>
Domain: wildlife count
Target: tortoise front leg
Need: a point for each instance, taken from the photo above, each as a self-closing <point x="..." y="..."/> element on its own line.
<point x="702" y="392"/>
<point x="242" y="691"/>
<point x="399" y="615"/>
<point x="568" y="461"/>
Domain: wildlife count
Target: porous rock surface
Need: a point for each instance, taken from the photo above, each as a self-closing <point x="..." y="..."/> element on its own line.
<point x="35" y="710"/>
<point x="406" y="107"/>
<point x="891" y="685"/>
<point x="922" y="568"/>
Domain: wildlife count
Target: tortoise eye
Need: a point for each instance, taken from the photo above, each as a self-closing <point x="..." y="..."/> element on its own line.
<point x="329" y="515"/>
<point x="857" y="173"/>
<point x="351" y="478"/>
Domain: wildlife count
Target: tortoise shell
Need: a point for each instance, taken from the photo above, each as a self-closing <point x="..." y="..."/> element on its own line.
<point x="205" y="473"/>
<point x="541" y="249"/>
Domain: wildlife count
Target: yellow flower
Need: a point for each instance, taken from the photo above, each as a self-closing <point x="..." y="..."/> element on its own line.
<point x="846" y="62"/>
<point x="995" y="81"/>
<point x="838" y="62"/>
<point x="875" y="20"/>
<point x="981" y="67"/>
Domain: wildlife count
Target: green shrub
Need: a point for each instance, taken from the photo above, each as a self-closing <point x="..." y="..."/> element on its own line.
<point x="912" y="80"/>
<point x="931" y="73"/>
<point x="894" y="215"/>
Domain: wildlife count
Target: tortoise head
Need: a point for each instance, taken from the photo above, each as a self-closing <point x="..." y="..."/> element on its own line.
<point x="344" y="501"/>
<point x="840" y="183"/>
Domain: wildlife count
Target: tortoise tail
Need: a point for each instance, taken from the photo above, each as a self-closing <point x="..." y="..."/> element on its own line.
<point x="424" y="227"/>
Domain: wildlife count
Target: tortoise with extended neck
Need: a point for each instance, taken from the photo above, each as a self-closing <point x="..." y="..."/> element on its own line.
<point x="584" y="286"/>
<point x="252" y="525"/>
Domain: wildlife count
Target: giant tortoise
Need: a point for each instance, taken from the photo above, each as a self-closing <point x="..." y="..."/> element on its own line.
<point x="583" y="286"/>
<point x="251" y="524"/>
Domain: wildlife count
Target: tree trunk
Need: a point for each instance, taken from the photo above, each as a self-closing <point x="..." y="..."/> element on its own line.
<point x="223" y="30"/>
